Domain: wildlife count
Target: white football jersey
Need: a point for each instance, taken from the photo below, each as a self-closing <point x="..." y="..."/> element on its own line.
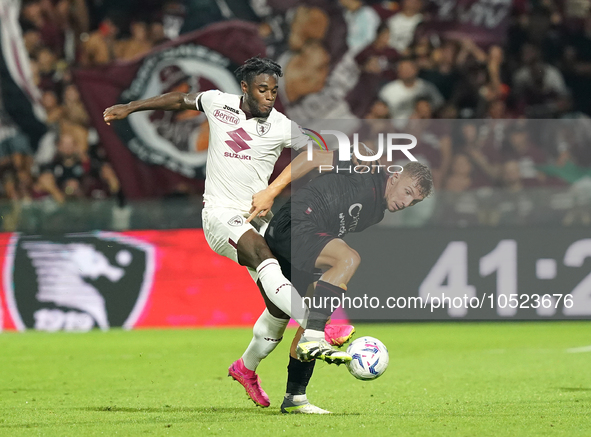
<point x="242" y="151"/>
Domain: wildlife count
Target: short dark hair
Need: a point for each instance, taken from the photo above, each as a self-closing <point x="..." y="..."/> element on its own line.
<point x="421" y="175"/>
<point x="254" y="66"/>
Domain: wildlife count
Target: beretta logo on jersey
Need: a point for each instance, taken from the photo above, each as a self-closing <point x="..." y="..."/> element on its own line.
<point x="77" y="282"/>
<point x="263" y="127"/>
<point x="226" y="117"/>
<point x="177" y="140"/>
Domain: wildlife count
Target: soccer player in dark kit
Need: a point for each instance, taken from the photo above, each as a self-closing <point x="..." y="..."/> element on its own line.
<point x="319" y="215"/>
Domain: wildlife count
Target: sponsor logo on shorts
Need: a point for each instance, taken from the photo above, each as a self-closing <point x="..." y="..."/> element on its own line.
<point x="263" y="127"/>
<point x="226" y="117"/>
<point x="235" y="111"/>
<point x="237" y="220"/>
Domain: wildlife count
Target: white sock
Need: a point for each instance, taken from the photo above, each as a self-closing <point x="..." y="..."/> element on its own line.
<point x="313" y="335"/>
<point x="298" y="399"/>
<point x="266" y="335"/>
<point x="281" y="292"/>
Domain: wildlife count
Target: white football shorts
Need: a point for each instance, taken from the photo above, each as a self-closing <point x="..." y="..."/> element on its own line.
<point x="223" y="227"/>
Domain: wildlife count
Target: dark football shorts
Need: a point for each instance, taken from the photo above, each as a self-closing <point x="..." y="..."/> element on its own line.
<point x="296" y="244"/>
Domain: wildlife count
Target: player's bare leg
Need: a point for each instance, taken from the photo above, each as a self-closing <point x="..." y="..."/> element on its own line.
<point x="253" y="252"/>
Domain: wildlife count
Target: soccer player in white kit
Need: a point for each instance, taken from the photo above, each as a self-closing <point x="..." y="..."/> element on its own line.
<point x="246" y="137"/>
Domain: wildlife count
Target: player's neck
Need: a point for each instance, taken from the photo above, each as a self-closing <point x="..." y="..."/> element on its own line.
<point x="244" y="107"/>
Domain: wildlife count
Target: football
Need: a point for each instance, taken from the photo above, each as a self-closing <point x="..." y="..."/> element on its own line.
<point x="370" y="358"/>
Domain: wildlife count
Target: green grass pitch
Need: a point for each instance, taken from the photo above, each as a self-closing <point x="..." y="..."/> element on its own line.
<point x="444" y="379"/>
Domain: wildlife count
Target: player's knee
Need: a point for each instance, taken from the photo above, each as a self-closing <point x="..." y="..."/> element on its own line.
<point x="253" y="250"/>
<point x="262" y="252"/>
<point x="351" y="260"/>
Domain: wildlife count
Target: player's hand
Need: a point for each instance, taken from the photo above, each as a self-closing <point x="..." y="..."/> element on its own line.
<point x="116" y="112"/>
<point x="262" y="202"/>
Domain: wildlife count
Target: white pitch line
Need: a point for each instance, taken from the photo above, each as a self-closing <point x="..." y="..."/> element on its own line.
<point x="579" y="349"/>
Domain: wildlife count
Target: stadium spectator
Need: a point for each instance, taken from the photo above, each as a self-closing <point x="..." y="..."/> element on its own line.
<point x="15" y="155"/>
<point x="73" y="109"/>
<point x="52" y="108"/>
<point x="73" y="20"/>
<point x="511" y="205"/>
<point x="520" y="148"/>
<point x="156" y="33"/>
<point x="378" y="110"/>
<point x="576" y="65"/>
<point x="443" y="72"/>
<point x="471" y="63"/>
<point x="39" y="15"/>
<point x="309" y="24"/>
<point x="46" y="67"/>
<point x="32" y="40"/>
<point x="377" y="64"/>
<point x="422" y="52"/>
<point x="460" y="177"/>
<point x="434" y="146"/>
<point x="483" y="155"/>
<point x="306" y="71"/>
<point x="511" y="180"/>
<point x="401" y="95"/>
<point x="403" y="24"/>
<point x="98" y="48"/>
<point x="137" y="45"/>
<point x="539" y="87"/>
<point x="362" y="24"/>
<point x="67" y="167"/>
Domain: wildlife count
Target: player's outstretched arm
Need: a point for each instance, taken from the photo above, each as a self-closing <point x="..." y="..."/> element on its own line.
<point x="262" y="202"/>
<point x="165" y="102"/>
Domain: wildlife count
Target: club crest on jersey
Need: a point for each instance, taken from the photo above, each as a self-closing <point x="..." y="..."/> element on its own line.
<point x="263" y="127"/>
<point x="237" y="220"/>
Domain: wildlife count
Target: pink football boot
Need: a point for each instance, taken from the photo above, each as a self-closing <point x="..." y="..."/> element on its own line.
<point x="338" y="335"/>
<point x="250" y="381"/>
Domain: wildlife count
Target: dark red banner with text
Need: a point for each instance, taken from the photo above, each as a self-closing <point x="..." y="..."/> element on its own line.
<point x="484" y="22"/>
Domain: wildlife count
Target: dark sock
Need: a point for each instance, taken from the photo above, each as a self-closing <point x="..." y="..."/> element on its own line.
<point x="298" y="375"/>
<point x="121" y="201"/>
<point x="322" y="294"/>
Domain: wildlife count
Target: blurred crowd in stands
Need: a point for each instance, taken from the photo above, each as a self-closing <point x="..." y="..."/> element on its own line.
<point x="342" y="58"/>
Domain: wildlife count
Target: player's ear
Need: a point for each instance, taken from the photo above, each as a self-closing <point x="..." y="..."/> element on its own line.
<point x="244" y="87"/>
